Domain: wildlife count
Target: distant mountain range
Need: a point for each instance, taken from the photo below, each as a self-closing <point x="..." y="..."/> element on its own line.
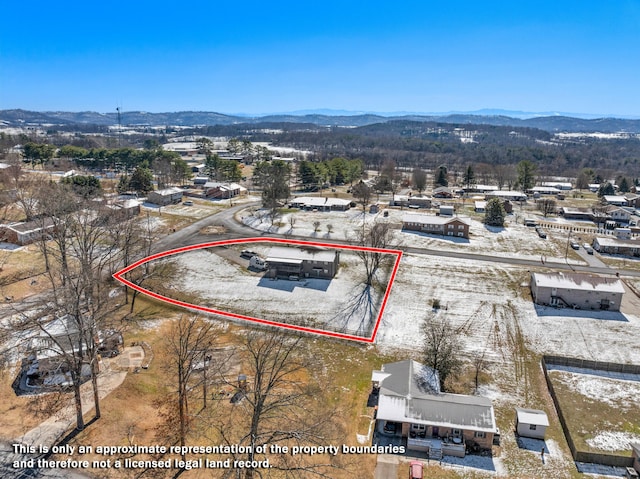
<point x="549" y="122"/>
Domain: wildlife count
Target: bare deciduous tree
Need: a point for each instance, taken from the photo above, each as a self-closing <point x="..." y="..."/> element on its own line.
<point x="442" y="346"/>
<point x="187" y="345"/>
<point x="362" y="192"/>
<point x="280" y="405"/>
<point x="374" y="237"/>
<point x="547" y="206"/>
<point x="419" y="179"/>
<point x="68" y="319"/>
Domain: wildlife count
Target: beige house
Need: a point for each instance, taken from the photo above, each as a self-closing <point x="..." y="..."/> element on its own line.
<point x="167" y="196"/>
<point x="411" y="407"/>
<point x="439" y="225"/>
<point x="576" y="290"/>
<point x="27" y="233"/>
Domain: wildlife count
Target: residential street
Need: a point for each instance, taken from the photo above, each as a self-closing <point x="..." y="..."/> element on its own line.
<point x="191" y="235"/>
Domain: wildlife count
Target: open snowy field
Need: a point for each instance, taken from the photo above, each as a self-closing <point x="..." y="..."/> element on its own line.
<point x="493" y="301"/>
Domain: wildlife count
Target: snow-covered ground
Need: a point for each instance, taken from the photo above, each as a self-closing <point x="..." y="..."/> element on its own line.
<point x="491" y="301"/>
<point x="613" y="441"/>
<point x="515" y="240"/>
<point x="618" y="390"/>
<point x="341" y="304"/>
<point x="200" y="208"/>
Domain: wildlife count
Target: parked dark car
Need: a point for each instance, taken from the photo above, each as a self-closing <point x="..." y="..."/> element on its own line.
<point x="390" y="428"/>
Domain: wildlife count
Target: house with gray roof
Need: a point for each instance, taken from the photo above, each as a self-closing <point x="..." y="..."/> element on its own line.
<point x="577" y="290"/>
<point x="26" y="233"/>
<point x="310" y="262"/>
<point x="318" y="203"/>
<point x="439" y="225"/>
<point x="630" y="247"/>
<point x="411" y="407"/>
<point x="167" y="196"/>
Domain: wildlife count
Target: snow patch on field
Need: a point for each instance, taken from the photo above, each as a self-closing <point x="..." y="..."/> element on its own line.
<point x="613" y="441"/>
<point x="615" y="392"/>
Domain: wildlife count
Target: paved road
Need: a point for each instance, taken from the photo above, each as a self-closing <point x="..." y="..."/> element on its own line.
<point x="223" y="218"/>
<point x="191" y="235"/>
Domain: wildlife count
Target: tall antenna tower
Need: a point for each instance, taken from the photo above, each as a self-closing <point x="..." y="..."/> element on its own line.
<point x="119" y="128"/>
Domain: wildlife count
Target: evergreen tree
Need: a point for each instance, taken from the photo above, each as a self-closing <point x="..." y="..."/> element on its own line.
<point x="494" y="213"/>
<point x="273" y="177"/>
<point x="441" y="177"/>
<point x="623" y="186"/>
<point x="526" y="174"/>
<point x="84" y="186"/>
<point x="469" y="177"/>
<point x="123" y="185"/>
<point x="606" y="189"/>
<point x="141" y="180"/>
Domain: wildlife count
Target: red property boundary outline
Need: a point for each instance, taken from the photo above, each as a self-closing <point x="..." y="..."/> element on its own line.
<point x="119" y="276"/>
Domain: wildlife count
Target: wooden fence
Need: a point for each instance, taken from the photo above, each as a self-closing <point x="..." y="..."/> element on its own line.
<point x="584" y="456"/>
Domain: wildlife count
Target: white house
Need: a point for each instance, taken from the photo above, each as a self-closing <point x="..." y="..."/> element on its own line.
<point x="531" y="423"/>
<point x="320" y="203"/>
<point x="506" y="195"/>
<point x="616" y="200"/>
<point x="544" y="190"/>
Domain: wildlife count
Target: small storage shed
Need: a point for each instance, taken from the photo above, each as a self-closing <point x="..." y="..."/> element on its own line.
<point x="531" y="423"/>
<point x="446" y="210"/>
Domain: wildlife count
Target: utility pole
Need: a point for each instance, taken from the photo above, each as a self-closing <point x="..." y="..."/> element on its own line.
<point x="119" y="128"/>
<point x="566" y="250"/>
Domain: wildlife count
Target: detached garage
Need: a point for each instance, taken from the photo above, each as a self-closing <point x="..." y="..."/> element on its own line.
<point x="531" y="423"/>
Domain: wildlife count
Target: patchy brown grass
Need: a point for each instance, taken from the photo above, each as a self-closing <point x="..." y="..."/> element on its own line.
<point x="19" y="269"/>
<point x="586" y="416"/>
<point x="13" y="409"/>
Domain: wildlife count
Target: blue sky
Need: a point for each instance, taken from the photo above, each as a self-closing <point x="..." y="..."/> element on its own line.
<point x="261" y="57"/>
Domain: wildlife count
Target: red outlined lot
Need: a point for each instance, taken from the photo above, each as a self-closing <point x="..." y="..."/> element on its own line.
<point x="120" y="277"/>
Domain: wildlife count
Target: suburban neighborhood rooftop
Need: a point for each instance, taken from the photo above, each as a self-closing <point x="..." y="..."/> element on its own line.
<point x="297" y="255"/>
<point x="578" y="281"/>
